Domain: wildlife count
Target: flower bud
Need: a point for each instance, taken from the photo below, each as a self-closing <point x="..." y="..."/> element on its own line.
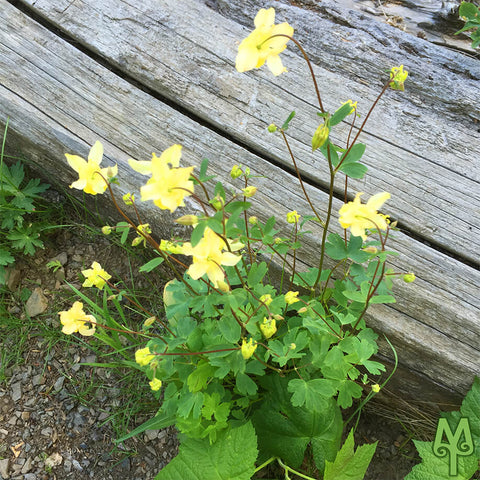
<point x="236" y="172"/>
<point x="278" y="240"/>
<point x="187" y="220"/>
<point x="268" y="327"/>
<point x="217" y="203"/>
<point x="409" y="277"/>
<point x="302" y="310"/>
<point x="248" y="348"/>
<point x="253" y="220"/>
<point x="106" y="230"/>
<point x="375" y="388"/>
<point x="128" y="199"/>
<point x="111" y="172"/>
<point x="223" y="286"/>
<point x="149" y="321"/>
<point x="293" y="346"/>
<point x="352" y="104"/>
<point x="272" y="128"/>
<point x="247" y="171"/>
<point x="293" y="217"/>
<point x="278" y="317"/>
<point x="249" y="191"/>
<point x="371" y="249"/>
<point x="320" y="136"/>
<point x="137" y="241"/>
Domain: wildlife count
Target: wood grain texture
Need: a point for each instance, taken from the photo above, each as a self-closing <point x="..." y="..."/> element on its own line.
<point x="421" y="143"/>
<point x="61" y="100"/>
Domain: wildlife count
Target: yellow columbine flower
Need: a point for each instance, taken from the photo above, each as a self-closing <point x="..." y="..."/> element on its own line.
<point x="76" y="320"/>
<point x="248" y="348"/>
<point x="169" y="184"/>
<point x="249" y="191"/>
<point x="128" y="199"/>
<point x="291" y="297"/>
<point x="320" y="136"/>
<point x="268" y="327"/>
<point x="95" y="276"/>
<point x="398" y="77"/>
<point x="236" y="172"/>
<point x="359" y="217"/>
<point x="143" y="356"/>
<point x="155" y="384"/>
<point x="259" y="47"/>
<point x="91" y="178"/>
<point x="293" y="217"/>
<point x="208" y="257"/>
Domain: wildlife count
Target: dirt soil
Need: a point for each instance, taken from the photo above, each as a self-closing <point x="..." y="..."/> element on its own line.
<point x="55" y="413"/>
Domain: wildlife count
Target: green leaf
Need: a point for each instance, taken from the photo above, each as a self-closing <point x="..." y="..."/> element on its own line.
<point x="245" y="385"/>
<point x="256" y="273"/>
<point x="354" y="170"/>
<point x="346" y="392"/>
<point x="231" y="457"/>
<point x="437" y="468"/>
<point x="312" y="394"/>
<point x="149" y="266"/>
<point x="229" y="328"/>
<point x="383" y="299"/>
<point x="285" y="431"/>
<point x="198" y="379"/>
<point x="354" y="155"/>
<point x="350" y="465"/>
<point x="5" y="257"/>
<point x="156" y="423"/>
<point x="337" y="250"/>
<point x="340" y="114"/>
<point x="287" y="121"/>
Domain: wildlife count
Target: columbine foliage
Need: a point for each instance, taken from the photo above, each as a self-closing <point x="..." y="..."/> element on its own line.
<point x="235" y="349"/>
<point x="470" y="13"/>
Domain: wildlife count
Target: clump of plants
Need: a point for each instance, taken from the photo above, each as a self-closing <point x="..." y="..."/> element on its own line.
<point x="253" y="372"/>
<point x="470" y="13"/>
<point x="18" y="235"/>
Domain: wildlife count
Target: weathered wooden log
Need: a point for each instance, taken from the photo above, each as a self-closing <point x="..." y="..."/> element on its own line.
<point x="142" y="77"/>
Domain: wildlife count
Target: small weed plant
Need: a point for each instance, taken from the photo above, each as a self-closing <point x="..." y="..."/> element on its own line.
<point x="18" y="235"/>
<point x="252" y="372"/>
<point x="470" y="13"/>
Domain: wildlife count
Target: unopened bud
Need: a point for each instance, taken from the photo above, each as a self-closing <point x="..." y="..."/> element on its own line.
<point x="111" y="172"/>
<point x="253" y="220"/>
<point x="293" y="346"/>
<point x="409" y="277"/>
<point x="394" y="224"/>
<point x="106" y="230"/>
<point x="272" y="128"/>
<point x="223" y="286"/>
<point x="375" y="388"/>
<point x="236" y="172"/>
<point x="137" y="241"/>
<point x="371" y="249"/>
<point x="278" y="240"/>
<point x="149" y="321"/>
<point x="249" y="191"/>
<point x="217" y="203"/>
<point x="187" y="220"/>
<point x="247" y="171"/>
<point x="320" y="136"/>
<point x="293" y="217"/>
<point x="302" y="310"/>
<point x="278" y="317"/>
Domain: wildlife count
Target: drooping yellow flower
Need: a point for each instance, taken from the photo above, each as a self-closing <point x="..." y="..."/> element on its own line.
<point x="95" y="276"/>
<point x="259" y="48"/>
<point x="143" y="356"/>
<point x="76" y="320"/>
<point x="352" y="104"/>
<point x="268" y="327"/>
<point x="291" y="297"/>
<point x="398" y="77"/>
<point x="169" y="184"/>
<point x="208" y="257"/>
<point x="91" y="178"/>
<point x="155" y="384"/>
<point x="248" y="348"/>
<point x="360" y="217"/>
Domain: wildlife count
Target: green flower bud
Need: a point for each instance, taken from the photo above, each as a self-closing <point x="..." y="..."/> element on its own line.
<point x="409" y="277"/>
<point x="106" y="230"/>
<point x="253" y="220"/>
<point x="272" y="128"/>
<point x="236" y="172"/>
<point x="320" y="136"/>
<point x="249" y="191"/>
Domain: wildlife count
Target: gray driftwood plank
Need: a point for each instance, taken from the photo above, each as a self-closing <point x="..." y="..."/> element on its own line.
<point x="60" y="100"/>
<point x="422" y="145"/>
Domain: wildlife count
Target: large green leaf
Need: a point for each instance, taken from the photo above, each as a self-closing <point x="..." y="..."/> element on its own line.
<point x="285" y="431"/>
<point x="350" y="465"/>
<point x="231" y="457"/>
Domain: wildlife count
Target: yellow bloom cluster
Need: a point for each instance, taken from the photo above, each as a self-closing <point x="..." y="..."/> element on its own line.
<point x="360" y="217"/>
<point x="248" y="348"/>
<point x="76" y="320"/>
<point x="91" y="178"/>
<point x="259" y="47"/>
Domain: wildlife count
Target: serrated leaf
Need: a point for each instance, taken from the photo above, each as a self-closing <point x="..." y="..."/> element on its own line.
<point x="350" y="464"/>
<point x="285" y="431"/>
<point x="230" y="328"/>
<point x="347" y="391"/>
<point x="437" y="468"/>
<point x="232" y="456"/>
<point x="256" y="273"/>
<point x="312" y="394"/>
<point x="245" y="385"/>
<point x="5" y="257"/>
<point x="198" y="379"/>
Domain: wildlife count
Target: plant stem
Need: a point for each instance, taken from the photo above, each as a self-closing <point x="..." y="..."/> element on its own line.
<point x="290" y="469"/>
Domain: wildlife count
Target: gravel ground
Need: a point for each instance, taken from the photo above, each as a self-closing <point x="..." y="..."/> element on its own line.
<point x="54" y="412"/>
